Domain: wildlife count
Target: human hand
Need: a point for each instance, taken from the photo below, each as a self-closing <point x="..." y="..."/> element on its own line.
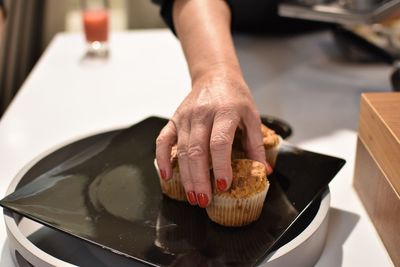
<point x="204" y="123"/>
<point x="1" y="21"/>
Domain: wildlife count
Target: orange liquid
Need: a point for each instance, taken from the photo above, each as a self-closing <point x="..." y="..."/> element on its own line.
<point x="95" y="23"/>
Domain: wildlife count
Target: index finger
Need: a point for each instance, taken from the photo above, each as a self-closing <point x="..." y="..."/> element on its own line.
<point x="221" y="140"/>
<point x="166" y="139"/>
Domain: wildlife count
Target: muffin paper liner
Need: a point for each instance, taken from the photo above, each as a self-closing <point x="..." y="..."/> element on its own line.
<point x="271" y="153"/>
<point x="234" y="212"/>
<point x="172" y="188"/>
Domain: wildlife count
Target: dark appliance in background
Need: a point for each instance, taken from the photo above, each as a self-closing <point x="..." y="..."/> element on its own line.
<point x="366" y="29"/>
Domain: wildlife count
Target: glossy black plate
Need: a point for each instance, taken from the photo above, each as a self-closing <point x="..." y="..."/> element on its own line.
<point x="104" y="189"/>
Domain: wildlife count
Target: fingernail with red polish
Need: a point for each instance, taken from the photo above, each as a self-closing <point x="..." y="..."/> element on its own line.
<point x="221" y="184"/>
<point x="202" y="199"/>
<point x="191" y="196"/>
<point x="269" y="169"/>
<point x="163" y="174"/>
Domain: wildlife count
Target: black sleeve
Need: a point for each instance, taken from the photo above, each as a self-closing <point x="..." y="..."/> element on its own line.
<point x="3" y="8"/>
<point x="251" y="16"/>
<point x="166" y="12"/>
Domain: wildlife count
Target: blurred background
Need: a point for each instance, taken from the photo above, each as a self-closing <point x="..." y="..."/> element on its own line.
<point x="31" y="24"/>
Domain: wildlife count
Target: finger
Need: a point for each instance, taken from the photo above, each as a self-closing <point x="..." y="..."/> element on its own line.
<point x="183" y="161"/>
<point x="221" y="140"/>
<point x="165" y="140"/>
<point x="198" y="152"/>
<point x="253" y="140"/>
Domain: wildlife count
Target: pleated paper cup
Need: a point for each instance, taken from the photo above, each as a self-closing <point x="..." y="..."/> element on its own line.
<point x="271" y="153"/>
<point x="235" y="212"/>
<point x="172" y="188"/>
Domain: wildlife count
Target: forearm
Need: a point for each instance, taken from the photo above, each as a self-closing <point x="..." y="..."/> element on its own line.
<point x="203" y="27"/>
<point x="220" y="101"/>
<point x="1" y="17"/>
<point x="1" y="24"/>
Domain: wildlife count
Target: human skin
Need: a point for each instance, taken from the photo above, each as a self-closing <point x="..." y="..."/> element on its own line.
<point x="219" y="102"/>
<point x="1" y="21"/>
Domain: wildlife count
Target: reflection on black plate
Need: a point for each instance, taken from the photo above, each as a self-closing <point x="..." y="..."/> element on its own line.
<point x="104" y="189"/>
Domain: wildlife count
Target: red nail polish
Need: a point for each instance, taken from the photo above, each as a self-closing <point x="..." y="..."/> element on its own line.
<point x="202" y="199"/>
<point x="163" y="174"/>
<point x="191" y="196"/>
<point x="221" y="184"/>
<point x="269" y="169"/>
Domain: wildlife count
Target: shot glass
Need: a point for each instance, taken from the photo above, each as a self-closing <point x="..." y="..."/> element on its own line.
<point x="95" y="16"/>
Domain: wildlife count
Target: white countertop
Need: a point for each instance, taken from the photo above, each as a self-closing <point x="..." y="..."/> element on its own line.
<point x="68" y="96"/>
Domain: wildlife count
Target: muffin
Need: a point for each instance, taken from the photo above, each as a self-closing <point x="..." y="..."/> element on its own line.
<point x="271" y="142"/>
<point x="243" y="202"/>
<point x="173" y="187"/>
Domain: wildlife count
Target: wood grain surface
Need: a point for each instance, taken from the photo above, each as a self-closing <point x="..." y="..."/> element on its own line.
<point x="379" y="129"/>
<point x="379" y="199"/>
<point x="377" y="167"/>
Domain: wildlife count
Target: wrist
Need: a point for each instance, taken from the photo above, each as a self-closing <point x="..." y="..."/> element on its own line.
<point x="222" y="70"/>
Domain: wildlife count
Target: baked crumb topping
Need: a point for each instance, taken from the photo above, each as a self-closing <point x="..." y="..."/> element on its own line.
<point x="249" y="178"/>
<point x="270" y="138"/>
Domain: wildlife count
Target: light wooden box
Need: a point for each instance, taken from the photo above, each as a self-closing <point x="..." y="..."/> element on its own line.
<point x="377" y="168"/>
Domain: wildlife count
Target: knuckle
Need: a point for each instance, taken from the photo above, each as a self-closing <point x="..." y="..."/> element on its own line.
<point x="196" y="151"/>
<point x="179" y="114"/>
<point x="226" y="109"/>
<point x="202" y="110"/>
<point x="161" y="140"/>
<point x="198" y="183"/>
<point x="166" y="135"/>
<point x="220" y="141"/>
<point x="229" y="113"/>
<point x="181" y="151"/>
<point x="243" y="104"/>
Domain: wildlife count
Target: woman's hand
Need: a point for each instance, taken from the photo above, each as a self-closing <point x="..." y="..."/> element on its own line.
<point x="205" y="123"/>
<point x="2" y="20"/>
<point x="219" y="103"/>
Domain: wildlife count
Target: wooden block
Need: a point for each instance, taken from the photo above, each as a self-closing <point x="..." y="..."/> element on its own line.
<point x="377" y="168"/>
<point x="379" y="129"/>
<point x="380" y="200"/>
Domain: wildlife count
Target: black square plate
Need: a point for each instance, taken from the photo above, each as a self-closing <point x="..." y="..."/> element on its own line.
<point x="104" y="189"/>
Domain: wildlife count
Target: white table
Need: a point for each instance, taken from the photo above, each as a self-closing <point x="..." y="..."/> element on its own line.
<point x="68" y="96"/>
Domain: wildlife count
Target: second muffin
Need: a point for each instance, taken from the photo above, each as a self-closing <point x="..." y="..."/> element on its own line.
<point x="173" y="188"/>
<point x="243" y="202"/>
